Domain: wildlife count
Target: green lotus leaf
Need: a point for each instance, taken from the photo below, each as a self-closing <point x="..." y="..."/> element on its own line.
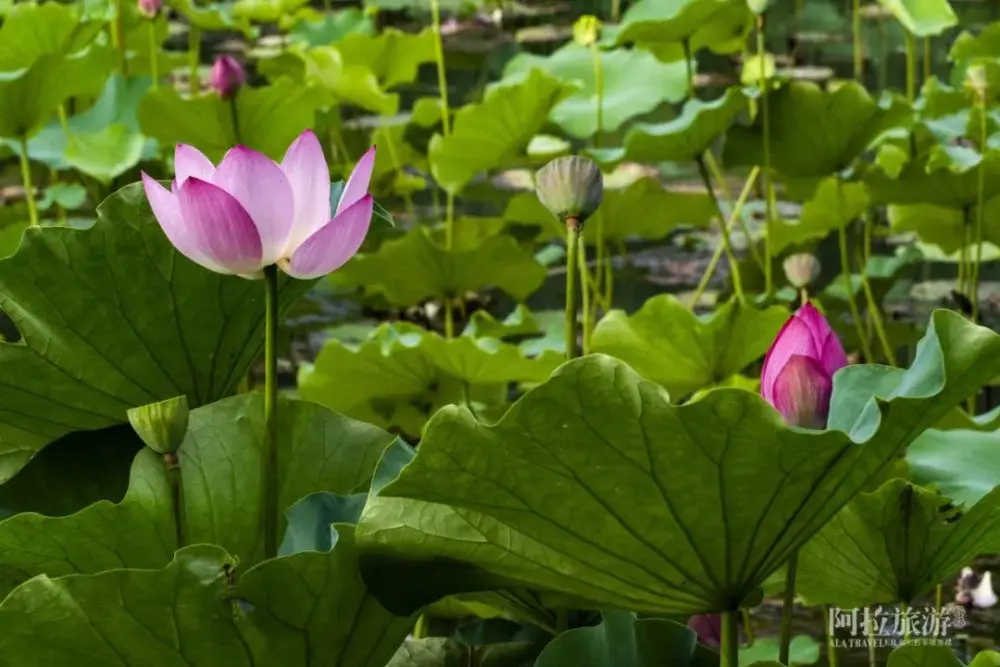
<point x="402" y="373"/>
<point x="268" y="118"/>
<point x="937" y="656"/>
<point x="919" y="183"/>
<point x="816" y="133"/>
<point x="413" y="268"/>
<point x="212" y="16"/>
<point x="962" y="464"/>
<point x="719" y="25"/>
<point x="894" y="545"/>
<point x="392" y="56"/>
<point x="923" y="18"/>
<point x="220" y="469"/>
<point x="666" y="343"/>
<point x="265" y="11"/>
<point x="834" y="205"/>
<point x="495" y="133"/>
<point x="445" y="652"/>
<point x="424" y="6"/>
<point x="621" y="100"/>
<point x="322" y="29"/>
<point x="594" y="487"/>
<point x="103" y="336"/>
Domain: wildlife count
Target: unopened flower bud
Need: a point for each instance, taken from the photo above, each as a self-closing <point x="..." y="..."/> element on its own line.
<point x="571" y="188"/>
<point x="586" y="29"/>
<point x="976" y="80"/>
<point x="227" y="76"/>
<point x="758" y="7"/>
<point x="150" y="8"/>
<point x="801" y="269"/>
<point x="161" y="426"/>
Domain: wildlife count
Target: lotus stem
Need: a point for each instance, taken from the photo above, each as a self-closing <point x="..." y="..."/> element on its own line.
<point x="119" y="36"/>
<point x="748" y="626"/>
<point x="154" y="63"/>
<point x="573" y="229"/>
<point x="874" y="308"/>
<point x="194" y="60"/>
<point x="938" y="596"/>
<point x="980" y="209"/>
<point x="449" y="244"/>
<point x="856" y="42"/>
<point x="29" y="189"/>
<point x="616" y="10"/>
<point x="766" y="179"/>
<point x="723" y="190"/>
<point x="172" y="463"/>
<point x="595" y="56"/>
<point x="788" y="605"/>
<point x="271" y="412"/>
<point x="442" y="76"/>
<point x="831" y="647"/>
<point x="927" y="58"/>
<point x="390" y="144"/>
<point x="870" y="631"/>
<point x="690" y="68"/>
<point x="726" y="241"/>
<point x="852" y="304"/>
<point x="911" y="67"/>
<point x="729" y="654"/>
<point x="733" y="216"/>
<point x="584" y="292"/>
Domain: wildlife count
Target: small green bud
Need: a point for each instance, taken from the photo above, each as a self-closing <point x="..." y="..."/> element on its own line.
<point x="162" y="426"/>
<point x="758" y="7"/>
<point x="976" y="80"/>
<point x="801" y="269"/>
<point x="586" y="29"/>
<point x="571" y="188"/>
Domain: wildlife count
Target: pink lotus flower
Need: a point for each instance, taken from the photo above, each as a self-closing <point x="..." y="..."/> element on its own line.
<point x="249" y="212"/>
<point x="150" y="8"/>
<point x="708" y="627"/>
<point x="797" y="378"/>
<point x="227" y="76"/>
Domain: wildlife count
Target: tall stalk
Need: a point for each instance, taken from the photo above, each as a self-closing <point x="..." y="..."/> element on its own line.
<point x="874" y="308"/>
<point x="980" y="204"/>
<point x="726" y="241"/>
<point x="589" y="27"/>
<point x="857" y="43"/>
<point x="785" y="641"/>
<point x="449" y="220"/>
<point x="911" y="67"/>
<point x="154" y="63"/>
<point x="723" y="190"/>
<point x="119" y="36"/>
<point x="927" y="58"/>
<point x="584" y="292"/>
<point x="194" y="60"/>
<point x="729" y="654"/>
<point x="271" y="412"/>
<point x="766" y="177"/>
<point x="29" y="188"/>
<point x="831" y="648"/>
<point x="573" y="230"/>
<point x="852" y="304"/>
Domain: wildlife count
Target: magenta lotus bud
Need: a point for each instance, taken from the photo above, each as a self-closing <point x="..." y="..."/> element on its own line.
<point x="250" y="212"/>
<point x="797" y="378"/>
<point x="708" y="627"/>
<point x="150" y="8"/>
<point x="227" y="76"/>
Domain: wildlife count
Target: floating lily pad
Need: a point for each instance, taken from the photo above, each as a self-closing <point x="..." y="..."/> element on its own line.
<point x="414" y="268"/>
<point x="101" y="338"/>
<point x="894" y="545"/>
<point x="666" y="343"/>
<point x="496" y="132"/>
<point x="694" y="517"/>
<point x="621" y="99"/>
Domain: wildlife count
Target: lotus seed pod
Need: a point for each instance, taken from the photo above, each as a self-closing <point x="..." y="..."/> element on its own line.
<point x="758" y="7"/>
<point x="162" y="426"/>
<point x="801" y="269"/>
<point x="571" y="188"/>
<point x="586" y="29"/>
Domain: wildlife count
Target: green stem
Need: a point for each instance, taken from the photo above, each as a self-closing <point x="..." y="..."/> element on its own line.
<point x="911" y="67"/>
<point x="856" y="41"/>
<point x="831" y="648"/>
<point x="729" y="654"/>
<point x="29" y="189"/>
<point x="119" y="35"/>
<point x="584" y="293"/>
<point x="572" y="237"/>
<point x="441" y="74"/>
<point x="562" y="621"/>
<point x="870" y="632"/>
<point x="874" y="308"/>
<point x="904" y="610"/>
<point x="235" y="115"/>
<point x="726" y="241"/>
<point x="194" y="60"/>
<point x="938" y="598"/>
<point x="927" y="58"/>
<point x="852" y="304"/>
<point x="397" y="165"/>
<point x="449" y="244"/>
<point x="616" y="10"/>
<point x="748" y="627"/>
<point x="690" y="69"/>
<point x="723" y="190"/>
<point x="766" y="175"/>
<point x="786" y="611"/>
<point x="271" y="412"/>
<point x="172" y="463"/>
<point x="595" y="56"/>
<point x="980" y="213"/>
<point x="733" y="216"/>
<point x="154" y="62"/>
<point x="420" y="628"/>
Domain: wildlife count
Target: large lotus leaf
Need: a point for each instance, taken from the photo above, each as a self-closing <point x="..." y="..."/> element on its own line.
<point x="268" y="118"/>
<point x="834" y="205"/>
<point x="945" y="226"/>
<point x="682" y="139"/>
<point x="915" y="655"/>
<point x="445" y="652"/>
<point x="321" y="29"/>
<point x="662" y="27"/>
<point x="894" y="545"/>
<point x="962" y="464"/>
<point x="923" y="18"/>
<point x="265" y="11"/>
<point x="622" y="640"/>
<point x="666" y="343"/>
<point x="31" y="31"/>
<point x="402" y="373"/>
<point x="307" y="608"/>
<point x="393" y="56"/>
<point x="595" y="487"/>
<point x="643" y="209"/>
<point x="919" y="182"/>
<point x="113" y="317"/>
<point x="414" y="268"/>
<point x="495" y="133"/>
<point x="621" y="100"/>
<point x="817" y="133"/>
<point x="220" y="471"/>
<point x="213" y="16"/>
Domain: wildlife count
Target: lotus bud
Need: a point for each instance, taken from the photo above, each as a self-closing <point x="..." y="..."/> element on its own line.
<point x="708" y="627"/>
<point x="977" y="81"/>
<point x="758" y="7"/>
<point x="801" y="269"/>
<point x="227" y="76"/>
<point x="571" y="188"/>
<point x="161" y="426"/>
<point x="797" y="378"/>
<point x="586" y="29"/>
<point x="150" y="8"/>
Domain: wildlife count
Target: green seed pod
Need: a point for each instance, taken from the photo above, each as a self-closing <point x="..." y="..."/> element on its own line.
<point x="801" y="269"/>
<point x="162" y="426"/>
<point x="758" y="7"/>
<point x="571" y="188"/>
